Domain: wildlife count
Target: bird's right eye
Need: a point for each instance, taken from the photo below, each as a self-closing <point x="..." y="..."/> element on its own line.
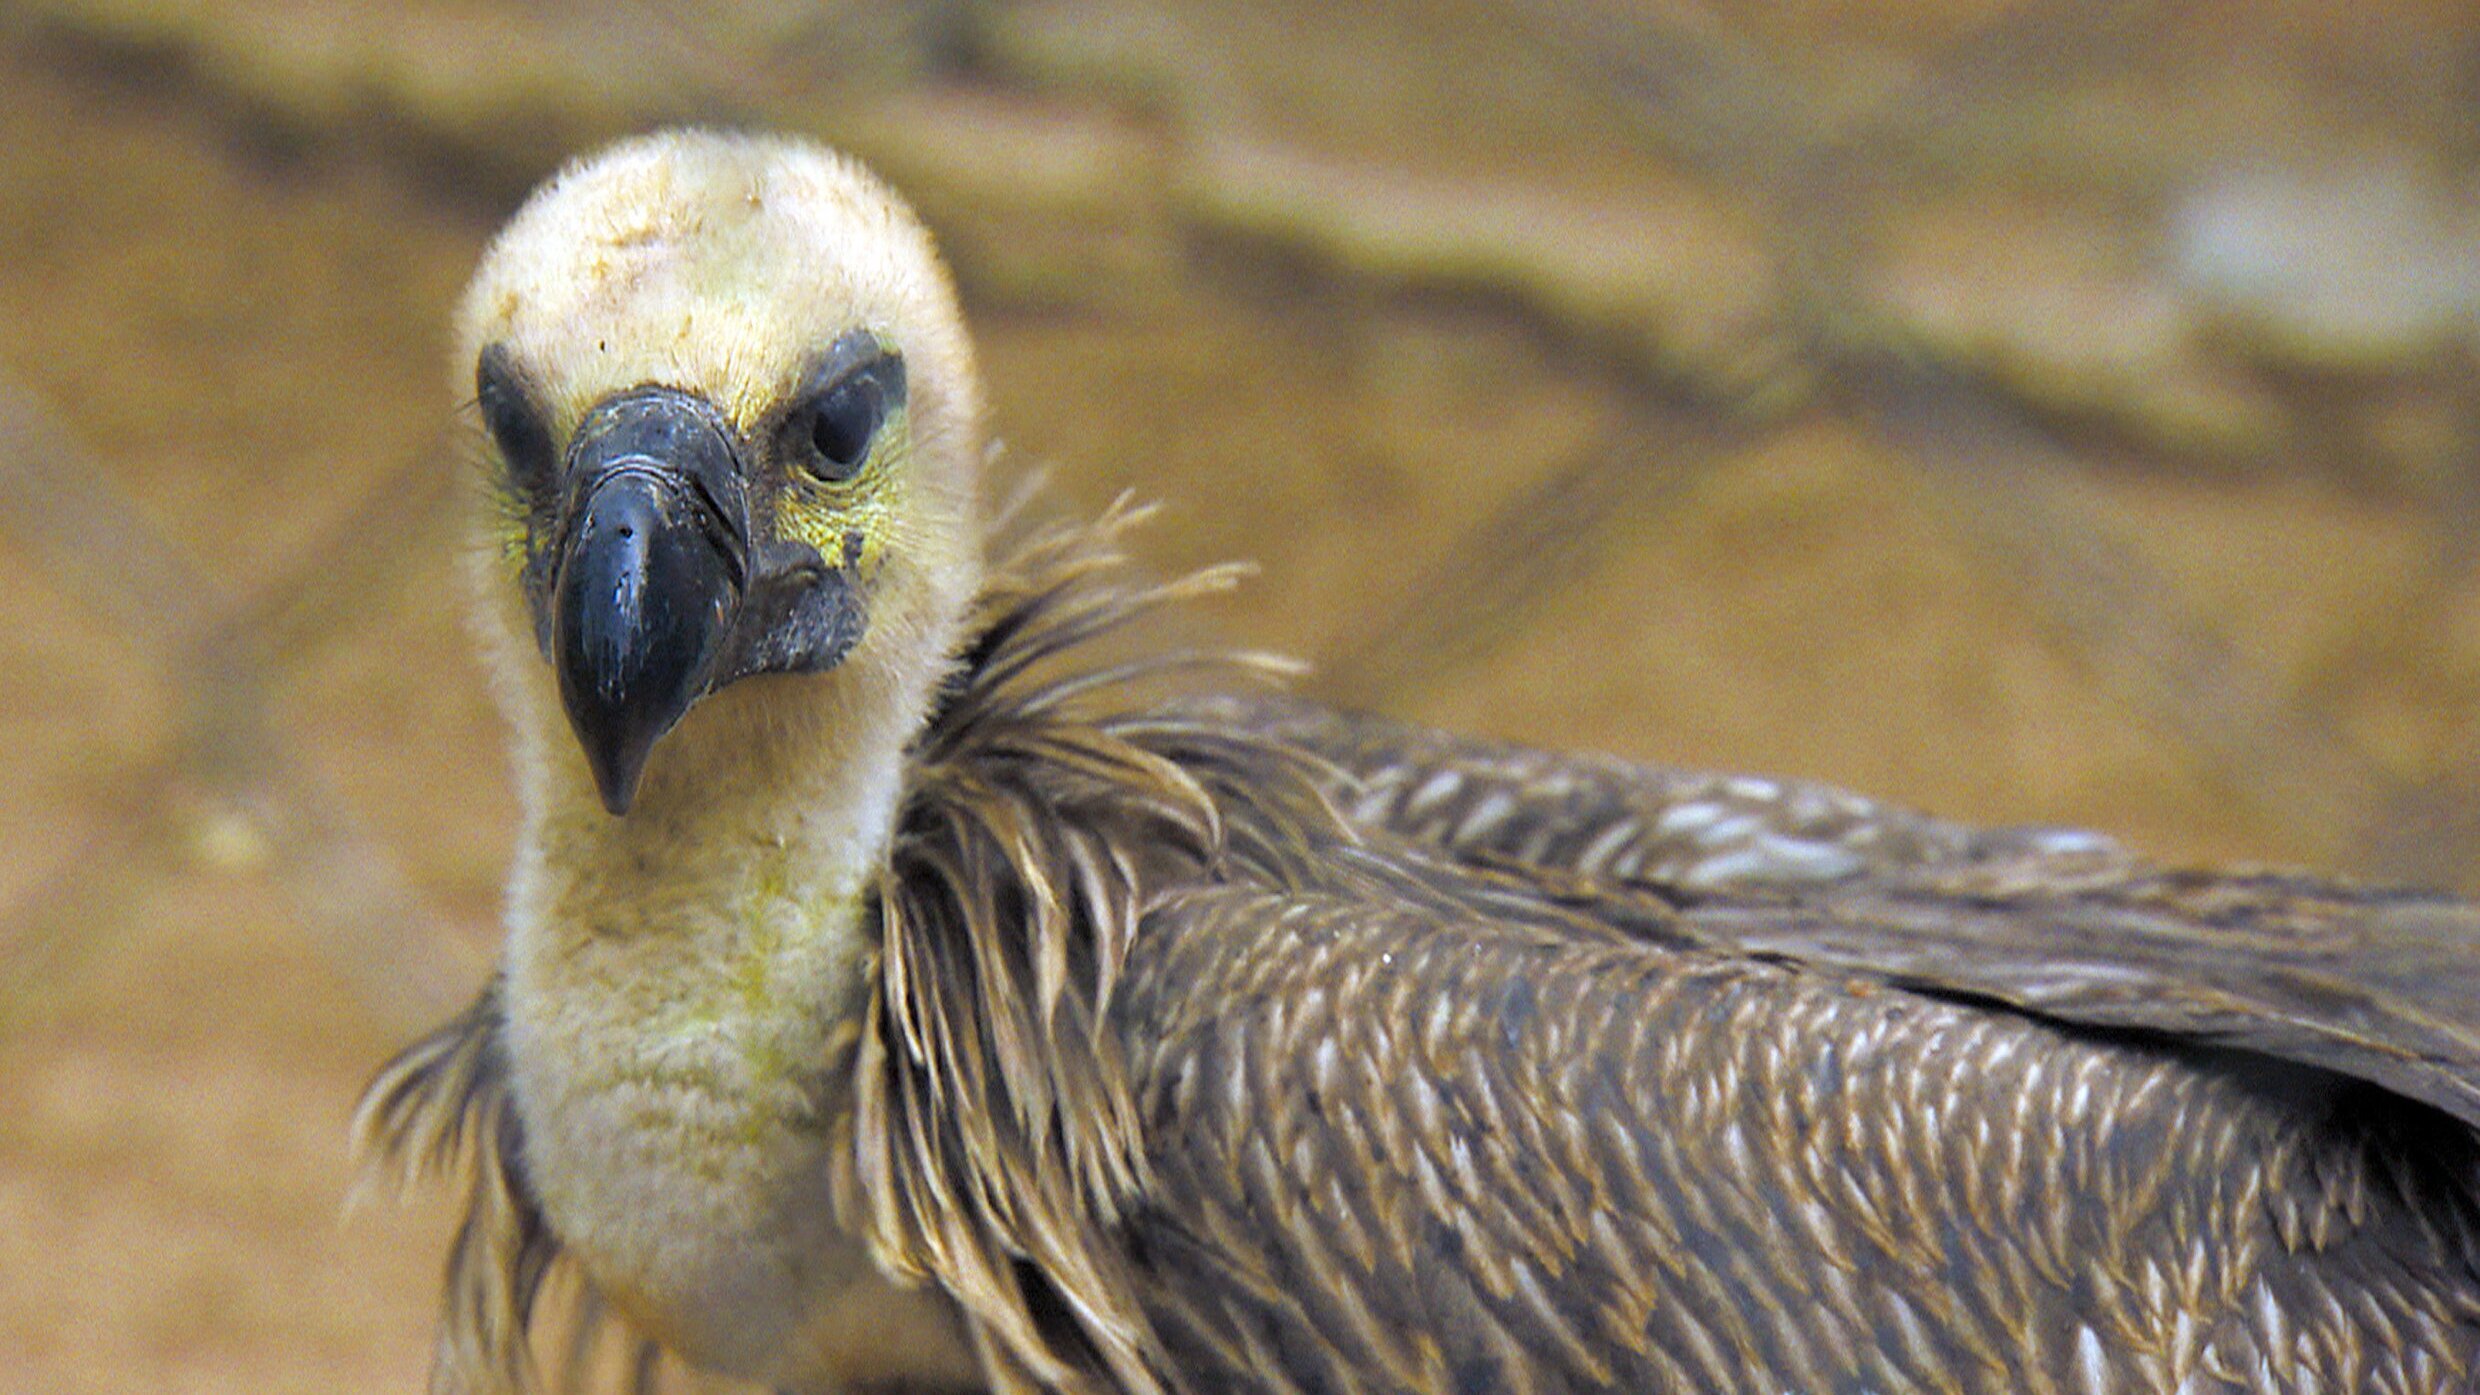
<point x="516" y="427"/>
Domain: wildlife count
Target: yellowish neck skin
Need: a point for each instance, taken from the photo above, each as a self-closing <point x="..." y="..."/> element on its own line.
<point x="676" y="984"/>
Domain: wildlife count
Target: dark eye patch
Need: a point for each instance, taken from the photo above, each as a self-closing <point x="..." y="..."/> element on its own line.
<point x="827" y="436"/>
<point x="515" y="424"/>
<point x="841" y="426"/>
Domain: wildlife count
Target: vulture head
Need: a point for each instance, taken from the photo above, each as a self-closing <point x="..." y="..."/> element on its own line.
<point x="734" y="432"/>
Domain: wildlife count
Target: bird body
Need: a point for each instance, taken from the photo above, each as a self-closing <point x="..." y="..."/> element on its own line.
<point x="1425" y="1159"/>
<point x="898" y="991"/>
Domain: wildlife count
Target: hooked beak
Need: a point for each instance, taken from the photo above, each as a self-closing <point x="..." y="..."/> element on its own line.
<point x="650" y="575"/>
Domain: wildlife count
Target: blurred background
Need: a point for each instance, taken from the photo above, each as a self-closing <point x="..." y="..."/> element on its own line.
<point x="2049" y="411"/>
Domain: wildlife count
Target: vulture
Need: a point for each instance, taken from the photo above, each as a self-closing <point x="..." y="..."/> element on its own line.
<point x="915" y="978"/>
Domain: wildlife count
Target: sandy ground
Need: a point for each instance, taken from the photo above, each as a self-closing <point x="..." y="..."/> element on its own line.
<point x="172" y="1163"/>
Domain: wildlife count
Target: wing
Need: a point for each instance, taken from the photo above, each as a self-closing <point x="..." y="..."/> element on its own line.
<point x="1396" y="1149"/>
<point x="1493" y="802"/>
<point x="2382" y="985"/>
<point x="2376" y="984"/>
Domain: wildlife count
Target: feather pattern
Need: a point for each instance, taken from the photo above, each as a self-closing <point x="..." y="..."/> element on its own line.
<point x="995" y="1142"/>
<point x="1400" y="1151"/>
<point x="1607" y="819"/>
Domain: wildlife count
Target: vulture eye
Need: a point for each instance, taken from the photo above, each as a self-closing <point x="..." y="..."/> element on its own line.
<point x="516" y="428"/>
<point x="829" y="435"/>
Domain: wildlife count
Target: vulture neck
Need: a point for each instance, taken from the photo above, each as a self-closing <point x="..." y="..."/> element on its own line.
<point x="684" y="988"/>
<point x="763" y="820"/>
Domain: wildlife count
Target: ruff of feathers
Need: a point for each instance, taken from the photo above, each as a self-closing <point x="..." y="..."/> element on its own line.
<point x="992" y="1138"/>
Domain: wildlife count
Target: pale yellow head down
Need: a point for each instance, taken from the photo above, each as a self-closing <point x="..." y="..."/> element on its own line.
<point x="721" y="265"/>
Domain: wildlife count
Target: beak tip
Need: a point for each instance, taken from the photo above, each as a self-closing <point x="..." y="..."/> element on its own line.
<point x="618" y="767"/>
<point x="617" y="799"/>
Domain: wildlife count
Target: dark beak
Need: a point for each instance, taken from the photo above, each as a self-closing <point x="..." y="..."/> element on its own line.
<point x="652" y="566"/>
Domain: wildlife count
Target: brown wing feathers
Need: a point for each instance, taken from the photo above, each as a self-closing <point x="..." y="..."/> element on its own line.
<point x="1417" y="1157"/>
<point x="1608" y="819"/>
<point x="2373" y="984"/>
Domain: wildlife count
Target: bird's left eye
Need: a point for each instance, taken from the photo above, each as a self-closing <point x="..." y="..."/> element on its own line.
<point x="516" y="427"/>
<point x="829" y="436"/>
